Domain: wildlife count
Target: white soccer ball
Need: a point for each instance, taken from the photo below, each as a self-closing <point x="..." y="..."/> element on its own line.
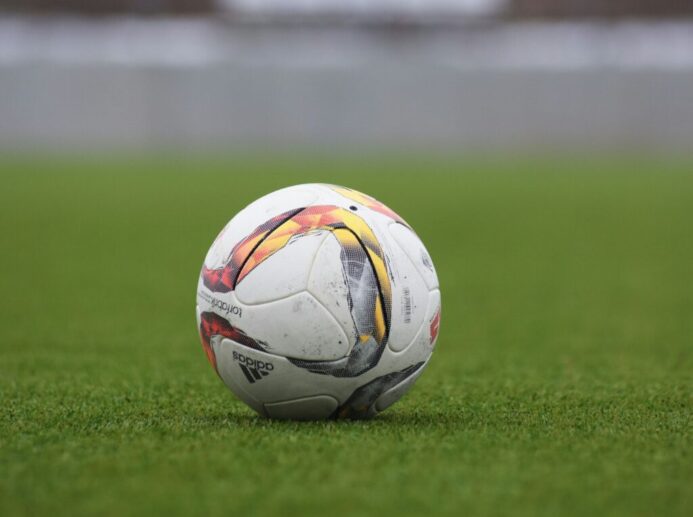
<point x="317" y="301"/>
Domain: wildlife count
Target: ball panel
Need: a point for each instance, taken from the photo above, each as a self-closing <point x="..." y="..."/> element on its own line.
<point x="297" y="326"/>
<point x="417" y="253"/>
<point x="328" y="284"/>
<point x="256" y="376"/>
<point x="375" y="206"/>
<point x="283" y="273"/>
<point x="409" y="300"/>
<point x="433" y="317"/>
<point x="229" y="371"/>
<point x="422" y="345"/>
<point x="395" y="393"/>
<point x="361" y="403"/>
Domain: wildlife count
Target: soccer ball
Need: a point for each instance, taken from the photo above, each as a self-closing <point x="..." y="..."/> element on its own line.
<point x="317" y="301"/>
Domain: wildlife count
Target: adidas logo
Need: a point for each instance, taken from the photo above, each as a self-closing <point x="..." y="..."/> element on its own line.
<point x="253" y="374"/>
<point x="253" y="369"/>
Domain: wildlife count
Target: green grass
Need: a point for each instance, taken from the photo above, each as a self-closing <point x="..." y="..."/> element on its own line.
<point x="561" y="383"/>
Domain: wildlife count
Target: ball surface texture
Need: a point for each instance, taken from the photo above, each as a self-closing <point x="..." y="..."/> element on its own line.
<point x="317" y="301"/>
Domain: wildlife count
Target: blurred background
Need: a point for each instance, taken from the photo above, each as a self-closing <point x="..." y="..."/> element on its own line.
<point x="490" y="75"/>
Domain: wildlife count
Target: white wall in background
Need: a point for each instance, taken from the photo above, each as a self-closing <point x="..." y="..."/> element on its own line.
<point x="132" y="82"/>
<point x="367" y="7"/>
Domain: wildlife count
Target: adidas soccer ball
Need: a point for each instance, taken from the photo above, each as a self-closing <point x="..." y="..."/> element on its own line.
<point x="318" y="301"/>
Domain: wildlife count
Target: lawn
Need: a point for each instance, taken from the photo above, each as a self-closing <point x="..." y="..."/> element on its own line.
<point x="562" y="382"/>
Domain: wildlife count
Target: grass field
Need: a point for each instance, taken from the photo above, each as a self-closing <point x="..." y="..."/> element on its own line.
<point x="562" y="383"/>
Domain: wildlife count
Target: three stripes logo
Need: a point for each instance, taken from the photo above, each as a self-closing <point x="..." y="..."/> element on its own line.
<point x="253" y="369"/>
<point x="253" y="374"/>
